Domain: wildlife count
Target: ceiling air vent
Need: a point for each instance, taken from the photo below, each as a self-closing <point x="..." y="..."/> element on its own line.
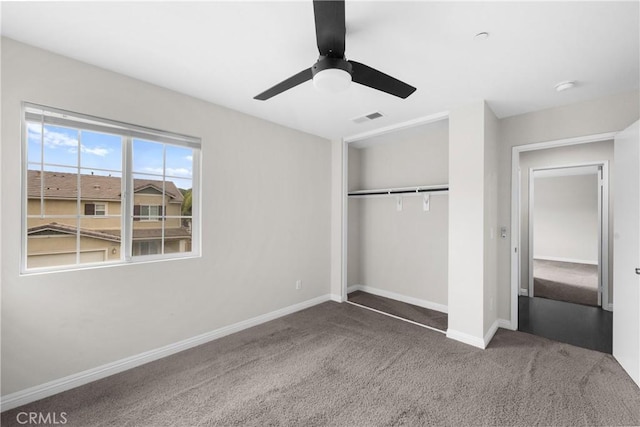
<point x="367" y="117"/>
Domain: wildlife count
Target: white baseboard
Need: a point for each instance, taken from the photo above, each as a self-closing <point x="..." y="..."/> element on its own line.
<point x="480" y="342"/>
<point x="399" y="297"/>
<point x="524" y="292"/>
<point x="490" y="333"/>
<point x="506" y="324"/>
<point x="335" y="297"/>
<point x="465" y="338"/>
<point x="575" y="261"/>
<point x="50" y="388"/>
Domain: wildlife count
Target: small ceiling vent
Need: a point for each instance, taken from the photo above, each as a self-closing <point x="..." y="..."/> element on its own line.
<point x="367" y="117"/>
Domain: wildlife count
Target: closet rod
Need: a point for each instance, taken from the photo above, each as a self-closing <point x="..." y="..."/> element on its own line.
<point x="392" y="191"/>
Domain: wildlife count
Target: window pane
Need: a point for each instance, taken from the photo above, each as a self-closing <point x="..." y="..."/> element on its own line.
<point x="34" y="146"/>
<point x="177" y="239"/>
<point x="58" y="187"/>
<point x="34" y="189"/>
<point x="185" y="187"/>
<point x="151" y="190"/>
<point x="51" y="242"/>
<point x="147" y="247"/>
<point x="101" y="151"/>
<point x="179" y="161"/>
<point x="102" y="191"/>
<point x="60" y="145"/>
<point x="148" y="157"/>
<point x="99" y="240"/>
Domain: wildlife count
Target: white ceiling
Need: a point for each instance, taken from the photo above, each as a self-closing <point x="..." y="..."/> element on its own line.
<point x="227" y="52"/>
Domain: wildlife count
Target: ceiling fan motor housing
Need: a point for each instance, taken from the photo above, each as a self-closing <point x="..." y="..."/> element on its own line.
<point x="326" y="63"/>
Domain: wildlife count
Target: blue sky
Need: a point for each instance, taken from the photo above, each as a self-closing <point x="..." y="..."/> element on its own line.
<point x="104" y="151"/>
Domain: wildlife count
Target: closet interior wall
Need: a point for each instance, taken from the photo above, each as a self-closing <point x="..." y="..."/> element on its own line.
<point x="401" y="252"/>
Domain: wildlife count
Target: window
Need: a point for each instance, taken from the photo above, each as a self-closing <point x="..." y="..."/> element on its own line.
<point x="98" y="191"/>
<point x="100" y="209"/>
<point x="147" y="212"/>
<point x="95" y="209"/>
<point x="146" y="248"/>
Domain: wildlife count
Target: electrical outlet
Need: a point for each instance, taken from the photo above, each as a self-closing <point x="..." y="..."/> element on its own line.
<point x="298" y="284"/>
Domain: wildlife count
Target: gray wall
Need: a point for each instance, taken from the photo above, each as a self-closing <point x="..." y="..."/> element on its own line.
<point x="490" y="252"/>
<point x="266" y="223"/>
<point x="354" y="213"/>
<point x="595" y="151"/>
<point x="403" y="252"/>
<point x="608" y="114"/>
<point x="472" y="154"/>
<point x="565" y="218"/>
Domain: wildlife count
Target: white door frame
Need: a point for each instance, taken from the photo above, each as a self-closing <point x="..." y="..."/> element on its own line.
<point x="603" y="225"/>
<point x="515" y="205"/>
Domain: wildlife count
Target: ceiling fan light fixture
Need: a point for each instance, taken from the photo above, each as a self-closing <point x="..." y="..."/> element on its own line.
<point x="332" y="80"/>
<point x="331" y="75"/>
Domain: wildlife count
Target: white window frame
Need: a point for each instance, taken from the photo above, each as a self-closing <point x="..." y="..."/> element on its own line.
<point x="105" y="211"/>
<point x="128" y="132"/>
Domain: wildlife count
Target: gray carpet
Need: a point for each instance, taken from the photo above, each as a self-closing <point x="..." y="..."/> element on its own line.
<point x="342" y="365"/>
<point x="566" y="281"/>
<point x="425" y="316"/>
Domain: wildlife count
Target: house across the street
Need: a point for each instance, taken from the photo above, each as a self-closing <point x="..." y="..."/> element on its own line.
<point x="94" y="220"/>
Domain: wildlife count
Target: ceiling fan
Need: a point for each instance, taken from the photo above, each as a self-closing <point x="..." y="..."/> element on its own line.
<point x="332" y="71"/>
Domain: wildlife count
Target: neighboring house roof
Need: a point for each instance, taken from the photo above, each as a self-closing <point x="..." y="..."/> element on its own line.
<point x="55" y="228"/>
<point x="155" y="233"/>
<point x="62" y="185"/>
<point x="111" y="235"/>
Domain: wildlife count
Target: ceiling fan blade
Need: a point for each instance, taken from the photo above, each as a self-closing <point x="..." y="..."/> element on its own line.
<point x="330" y="27"/>
<point x="373" y="78"/>
<point x="287" y="84"/>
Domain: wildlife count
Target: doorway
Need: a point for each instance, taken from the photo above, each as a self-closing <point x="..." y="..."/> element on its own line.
<point x="562" y="245"/>
<point x="568" y="228"/>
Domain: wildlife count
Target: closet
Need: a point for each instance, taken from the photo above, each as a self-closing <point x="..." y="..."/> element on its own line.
<point x="397" y="239"/>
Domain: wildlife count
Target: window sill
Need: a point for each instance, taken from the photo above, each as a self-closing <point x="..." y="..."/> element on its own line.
<point x="136" y="260"/>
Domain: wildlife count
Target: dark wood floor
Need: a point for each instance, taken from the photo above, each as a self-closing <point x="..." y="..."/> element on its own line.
<point x="576" y="324"/>
<point x="424" y="316"/>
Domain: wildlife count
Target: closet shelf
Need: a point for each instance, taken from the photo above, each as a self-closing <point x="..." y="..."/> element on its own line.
<point x="404" y="191"/>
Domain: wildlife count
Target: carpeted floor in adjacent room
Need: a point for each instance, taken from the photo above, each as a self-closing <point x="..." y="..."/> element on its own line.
<point x="566" y="281"/>
<point x="342" y="365"/>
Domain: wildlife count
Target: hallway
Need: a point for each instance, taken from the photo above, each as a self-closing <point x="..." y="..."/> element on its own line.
<point x="576" y="324"/>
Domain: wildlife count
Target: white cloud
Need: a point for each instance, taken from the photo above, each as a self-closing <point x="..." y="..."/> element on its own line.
<point x="189" y="158"/>
<point x="56" y="140"/>
<point x="170" y="171"/>
<point x="98" y="151"/>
